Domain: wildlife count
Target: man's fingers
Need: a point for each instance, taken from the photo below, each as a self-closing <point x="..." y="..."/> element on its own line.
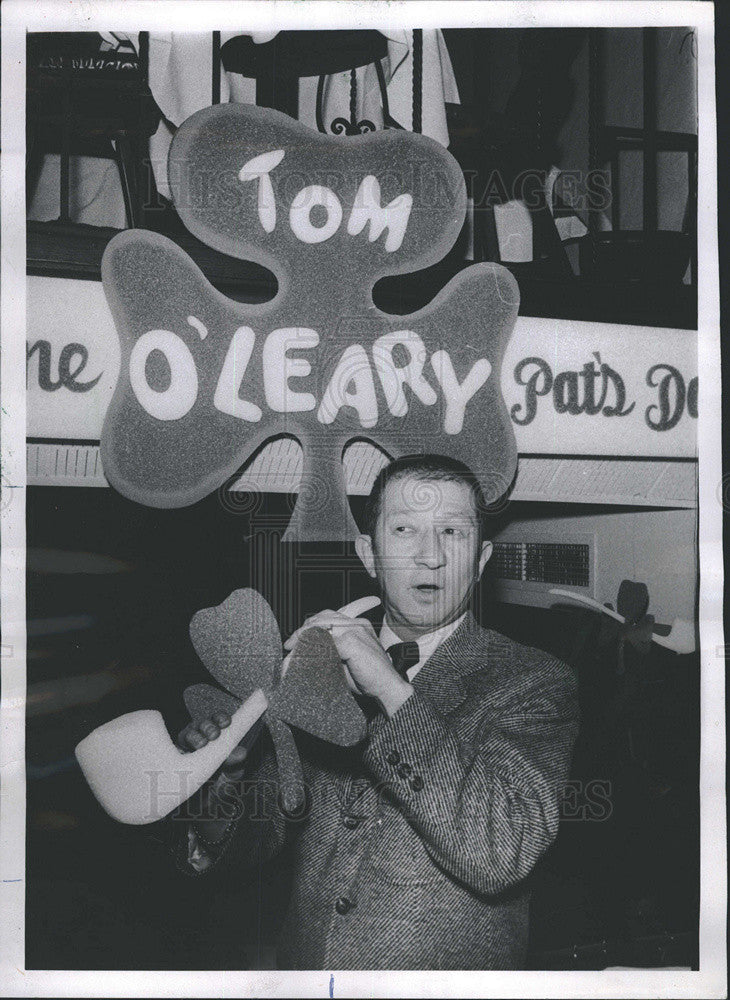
<point x="183" y="738"/>
<point x="329" y="620"/>
<point x="198" y="734"/>
<point x="192" y="739"/>
<point x="321" y="620"/>
<point x="236" y="756"/>
<point x="356" y="608"/>
<point x="349" y="681"/>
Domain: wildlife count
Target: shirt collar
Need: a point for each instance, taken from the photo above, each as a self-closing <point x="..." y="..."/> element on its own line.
<point x="427" y="644"/>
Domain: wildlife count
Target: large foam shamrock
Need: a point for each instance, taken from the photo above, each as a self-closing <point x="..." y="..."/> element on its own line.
<point x="205" y="381"/>
<point x="240" y="644"/>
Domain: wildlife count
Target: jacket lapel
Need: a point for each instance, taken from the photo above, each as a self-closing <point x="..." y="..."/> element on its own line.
<point x="440" y="678"/>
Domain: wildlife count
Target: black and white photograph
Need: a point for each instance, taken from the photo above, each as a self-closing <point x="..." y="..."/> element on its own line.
<point x="361" y="501"/>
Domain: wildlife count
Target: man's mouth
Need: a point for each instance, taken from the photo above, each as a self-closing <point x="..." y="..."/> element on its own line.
<point x="427" y="588"/>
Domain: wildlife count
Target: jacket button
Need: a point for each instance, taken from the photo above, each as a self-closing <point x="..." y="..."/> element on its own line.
<point x="351" y="822"/>
<point x="392" y="756"/>
<point x="403" y="770"/>
<point x="416" y="782"/>
<point x="344" y="905"/>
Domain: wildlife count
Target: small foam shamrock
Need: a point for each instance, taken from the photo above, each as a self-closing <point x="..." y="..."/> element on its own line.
<point x="239" y="643"/>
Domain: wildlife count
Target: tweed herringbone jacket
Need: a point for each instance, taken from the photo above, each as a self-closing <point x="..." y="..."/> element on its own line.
<point x="414" y="848"/>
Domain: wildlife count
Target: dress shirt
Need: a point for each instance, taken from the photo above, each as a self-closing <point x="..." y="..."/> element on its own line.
<point x="427" y="643"/>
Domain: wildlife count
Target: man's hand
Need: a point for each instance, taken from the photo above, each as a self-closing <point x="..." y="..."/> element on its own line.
<point x="196" y="735"/>
<point x="199" y="733"/>
<point x="365" y="660"/>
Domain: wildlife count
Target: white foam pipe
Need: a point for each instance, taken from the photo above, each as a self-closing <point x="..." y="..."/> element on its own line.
<point x="139" y="775"/>
<point x="356" y="608"/>
<point x="680" y="638"/>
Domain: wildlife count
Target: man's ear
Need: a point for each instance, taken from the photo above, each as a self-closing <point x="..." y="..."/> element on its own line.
<point x="484" y="556"/>
<point x="364" y="549"/>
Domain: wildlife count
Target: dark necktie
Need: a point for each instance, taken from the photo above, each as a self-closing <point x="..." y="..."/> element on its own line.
<point x="404" y="655"/>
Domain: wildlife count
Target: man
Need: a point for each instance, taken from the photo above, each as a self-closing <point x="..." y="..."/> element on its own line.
<point x="416" y="845"/>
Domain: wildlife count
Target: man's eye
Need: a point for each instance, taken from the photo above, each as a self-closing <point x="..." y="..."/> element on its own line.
<point x="403" y="529"/>
<point x="454" y="531"/>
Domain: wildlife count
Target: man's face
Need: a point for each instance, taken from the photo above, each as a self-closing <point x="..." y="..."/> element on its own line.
<point x="426" y="553"/>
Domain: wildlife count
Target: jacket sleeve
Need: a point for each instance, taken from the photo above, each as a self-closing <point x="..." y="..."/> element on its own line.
<point x="233" y="823"/>
<point x="484" y="798"/>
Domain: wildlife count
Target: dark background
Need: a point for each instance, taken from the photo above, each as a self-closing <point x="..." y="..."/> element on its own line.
<point x="592" y="102"/>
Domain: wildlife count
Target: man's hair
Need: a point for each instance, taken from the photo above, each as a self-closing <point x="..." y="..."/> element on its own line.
<point x="423" y="467"/>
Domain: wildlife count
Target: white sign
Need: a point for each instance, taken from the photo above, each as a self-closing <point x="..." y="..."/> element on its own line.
<point x="73" y="358"/>
<point x="571" y="388"/>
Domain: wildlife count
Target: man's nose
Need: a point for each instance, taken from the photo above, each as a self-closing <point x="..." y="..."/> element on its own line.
<point x="430" y="551"/>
